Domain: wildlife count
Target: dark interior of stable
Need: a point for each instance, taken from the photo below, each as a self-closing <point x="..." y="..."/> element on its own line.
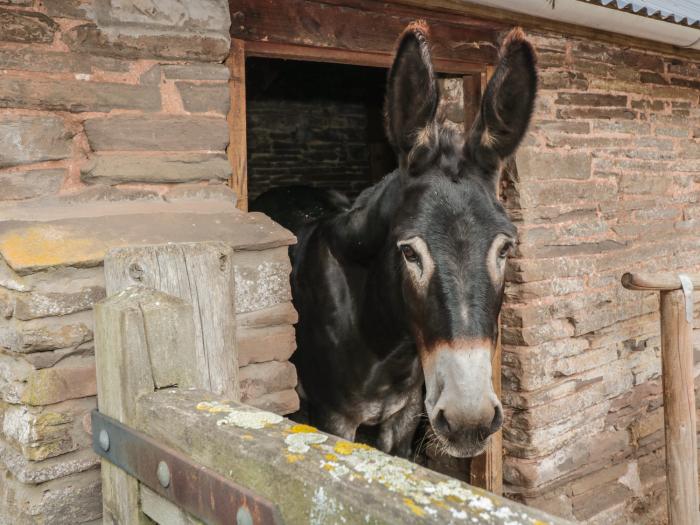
<point x="321" y="124"/>
<point x="315" y="123"/>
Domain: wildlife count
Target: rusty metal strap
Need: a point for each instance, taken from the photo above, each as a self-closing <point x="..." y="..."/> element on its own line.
<point x="205" y="494"/>
<point x="687" y="286"/>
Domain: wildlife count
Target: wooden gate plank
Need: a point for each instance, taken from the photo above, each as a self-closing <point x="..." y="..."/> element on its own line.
<point x="127" y="326"/>
<point x="202" y="275"/>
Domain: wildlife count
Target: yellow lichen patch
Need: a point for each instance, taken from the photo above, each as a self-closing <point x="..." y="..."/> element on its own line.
<point x="247" y="437"/>
<point x="46" y="245"/>
<point x="418" y="511"/>
<point x="298" y="429"/>
<point x="293" y="458"/>
<point x="213" y="407"/>
<point x="328" y="467"/>
<point x="331" y="457"/>
<point x="346" y="447"/>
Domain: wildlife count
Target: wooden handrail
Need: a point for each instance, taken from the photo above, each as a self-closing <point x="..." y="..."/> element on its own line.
<point x="665" y="281"/>
<point x="678" y="390"/>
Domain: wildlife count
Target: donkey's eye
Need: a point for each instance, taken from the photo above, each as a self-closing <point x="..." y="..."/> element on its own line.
<point x="409" y="253"/>
<point x="505" y="250"/>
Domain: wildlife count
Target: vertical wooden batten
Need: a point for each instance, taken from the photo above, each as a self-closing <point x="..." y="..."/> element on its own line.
<point x="471" y="91"/>
<point x="486" y="470"/>
<point x="237" y="149"/>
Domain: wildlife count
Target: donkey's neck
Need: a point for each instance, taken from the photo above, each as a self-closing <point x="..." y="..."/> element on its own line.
<point x="358" y="234"/>
<point x="359" y="241"/>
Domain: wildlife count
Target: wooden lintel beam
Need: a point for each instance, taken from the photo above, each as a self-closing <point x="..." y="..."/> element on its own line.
<point x="343" y="56"/>
<point x="355" y="29"/>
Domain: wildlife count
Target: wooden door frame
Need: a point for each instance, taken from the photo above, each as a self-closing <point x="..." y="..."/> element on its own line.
<point x="473" y="77"/>
<point x="485" y="470"/>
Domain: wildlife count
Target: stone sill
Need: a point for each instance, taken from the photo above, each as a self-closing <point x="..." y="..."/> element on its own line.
<point x="34" y="239"/>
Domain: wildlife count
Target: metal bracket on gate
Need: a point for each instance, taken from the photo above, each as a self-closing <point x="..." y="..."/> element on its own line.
<point x="198" y="490"/>
<point x="687" y="285"/>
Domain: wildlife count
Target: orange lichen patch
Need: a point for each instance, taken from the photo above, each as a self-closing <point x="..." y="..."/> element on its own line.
<point x="45" y="246"/>
<point x="346" y="448"/>
<point x="293" y="458"/>
<point x="418" y="511"/>
<point x="331" y="457"/>
<point x="247" y="437"/>
<point x="298" y="429"/>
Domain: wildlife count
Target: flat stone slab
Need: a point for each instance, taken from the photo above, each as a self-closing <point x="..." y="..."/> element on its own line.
<point x="181" y="167"/>
<point x="172" y="29"/>
<point x="26" y="26"/>
<point x="25" y="139"/>
<point x="157" y="133"/>
<point x="31" y="244"/>
<point x="31" y="183"/>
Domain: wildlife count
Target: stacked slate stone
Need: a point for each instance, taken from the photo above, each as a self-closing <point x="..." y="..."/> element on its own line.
<point x="607" y="181"/>
<point x="112" y="133"/>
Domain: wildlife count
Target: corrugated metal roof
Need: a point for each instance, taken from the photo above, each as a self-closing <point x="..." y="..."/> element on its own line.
<point x="682" y="12"/>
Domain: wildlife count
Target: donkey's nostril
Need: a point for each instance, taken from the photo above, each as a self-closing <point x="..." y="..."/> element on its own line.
<point x="497" y="419"/>
<point x="441" y="424"/>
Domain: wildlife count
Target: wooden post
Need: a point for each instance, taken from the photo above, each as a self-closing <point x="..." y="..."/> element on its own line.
<point x="237" y="149"/>
<point x="135" y="329"/>
<point x="471" y="93"/>
<point x="202" y="275"/>
<point x="680" y="430"/>
<point x="679" y="410"/>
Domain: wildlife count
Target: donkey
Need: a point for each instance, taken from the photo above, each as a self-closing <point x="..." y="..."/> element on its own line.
<point x="400" y="291"/>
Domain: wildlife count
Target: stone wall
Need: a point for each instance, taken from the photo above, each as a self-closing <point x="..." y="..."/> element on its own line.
<point x="608" y="181"/>
<point x="93" y="94"/>
<point x="112" y="132"/>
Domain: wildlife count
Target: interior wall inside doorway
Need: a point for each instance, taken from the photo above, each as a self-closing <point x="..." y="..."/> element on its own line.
<point x="316" y="124"/>
<point x="322" y="124"/>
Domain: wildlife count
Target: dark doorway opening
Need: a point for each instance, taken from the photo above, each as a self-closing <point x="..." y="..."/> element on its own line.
<point x="316" y="124"/>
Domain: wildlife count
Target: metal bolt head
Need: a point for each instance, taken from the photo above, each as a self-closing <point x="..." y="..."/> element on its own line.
<point x="103" y="439"/>
<point x="243" y="516"/>
<point x="163" y="473"/>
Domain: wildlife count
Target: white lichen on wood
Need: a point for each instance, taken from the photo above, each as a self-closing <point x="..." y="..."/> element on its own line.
<point x="334" y="463"/>
<point x="241" y="417"/>
<point x="299" y="443"/>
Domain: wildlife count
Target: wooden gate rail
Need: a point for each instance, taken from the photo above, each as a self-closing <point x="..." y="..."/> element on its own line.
<point x="157" y="412"/>
<point x="678" y="388"/>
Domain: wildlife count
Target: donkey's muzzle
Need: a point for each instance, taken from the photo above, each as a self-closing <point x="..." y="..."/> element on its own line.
<point x="462" y="406"/>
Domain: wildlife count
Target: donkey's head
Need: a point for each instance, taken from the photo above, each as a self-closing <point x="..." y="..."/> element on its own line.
<point x="451" y="236"/>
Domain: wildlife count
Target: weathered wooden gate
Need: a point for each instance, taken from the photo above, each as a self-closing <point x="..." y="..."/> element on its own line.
<point x="178" y="448"/>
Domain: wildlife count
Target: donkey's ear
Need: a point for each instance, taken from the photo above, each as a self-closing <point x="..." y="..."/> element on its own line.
<point x="506" y="106"/>
<point x="412" y="94"/>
